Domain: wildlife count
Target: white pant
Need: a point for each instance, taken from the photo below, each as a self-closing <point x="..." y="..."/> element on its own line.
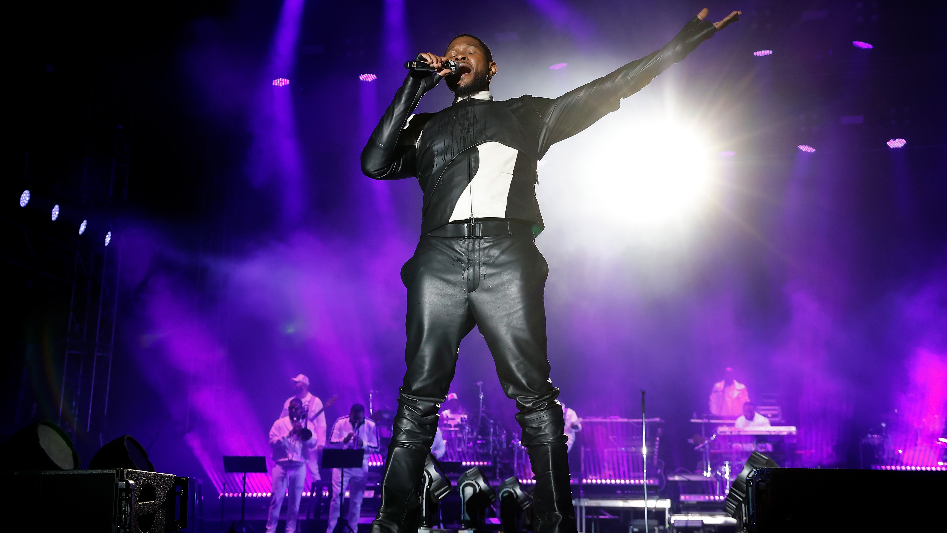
<point x="291" y="475"/>
<point x="355" y="481"/>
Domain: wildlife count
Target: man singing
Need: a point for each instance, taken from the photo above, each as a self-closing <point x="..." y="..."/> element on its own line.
<point x="476" y="262"/>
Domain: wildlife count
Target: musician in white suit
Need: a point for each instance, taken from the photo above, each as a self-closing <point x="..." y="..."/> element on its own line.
<point x="750" y="418"/>
<point x="353" y="432"/>
<point x="316" y="420"/>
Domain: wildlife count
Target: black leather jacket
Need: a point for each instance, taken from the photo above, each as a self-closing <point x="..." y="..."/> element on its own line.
<point x="498" y="143"/>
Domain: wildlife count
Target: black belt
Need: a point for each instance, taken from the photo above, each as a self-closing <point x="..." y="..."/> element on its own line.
<point x="483" y="228"/>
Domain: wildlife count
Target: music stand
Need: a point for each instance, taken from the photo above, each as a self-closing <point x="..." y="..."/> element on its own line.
<point x="236" y="464"/>
<point x="341" y="459"/>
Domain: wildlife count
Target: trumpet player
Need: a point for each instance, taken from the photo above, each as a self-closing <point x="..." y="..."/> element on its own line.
<point x="353" y="432"/>
<point x="292" y="443"/>
<point x="315" y="415"/>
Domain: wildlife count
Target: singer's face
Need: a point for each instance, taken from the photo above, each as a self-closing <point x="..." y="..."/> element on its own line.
<point x="474" y="71"/>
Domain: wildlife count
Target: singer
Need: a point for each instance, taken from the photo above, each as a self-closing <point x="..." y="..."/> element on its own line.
<point x="476" y="262"/>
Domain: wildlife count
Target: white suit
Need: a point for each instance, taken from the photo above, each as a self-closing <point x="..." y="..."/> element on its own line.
<point x="367" y="439"/>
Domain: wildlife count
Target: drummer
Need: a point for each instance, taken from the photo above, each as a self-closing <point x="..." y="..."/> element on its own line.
<point x="452" y="412"/>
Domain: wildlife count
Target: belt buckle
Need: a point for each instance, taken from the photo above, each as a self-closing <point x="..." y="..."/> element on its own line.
<point x="473" y="230"/>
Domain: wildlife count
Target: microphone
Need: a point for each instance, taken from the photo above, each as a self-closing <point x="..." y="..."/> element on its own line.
<point x="424" y="66"/>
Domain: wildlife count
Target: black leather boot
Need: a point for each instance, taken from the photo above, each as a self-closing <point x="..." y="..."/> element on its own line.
<point x="411" y="441"/>
<point x="545" y="441"/>
<point x="552" y="500"/>
<point x="400" y="494"/>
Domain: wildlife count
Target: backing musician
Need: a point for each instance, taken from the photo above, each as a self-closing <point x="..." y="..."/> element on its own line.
<point x="292" y="445"/>
<point x="353" y="432"/>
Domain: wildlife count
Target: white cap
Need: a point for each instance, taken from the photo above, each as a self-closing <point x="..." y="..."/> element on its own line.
<point x="302" y="378"/>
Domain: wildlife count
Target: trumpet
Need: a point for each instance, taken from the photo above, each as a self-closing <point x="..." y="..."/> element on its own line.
<point x="299" y="428"/>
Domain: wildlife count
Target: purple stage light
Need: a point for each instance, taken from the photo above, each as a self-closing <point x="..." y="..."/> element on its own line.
<point x="83" y="226"/>
<point x="558" y="66"/>
<point x="761" y="53"/>
<point x="726" y="154"/>
<point x="367" y="77"/>
<point x="896" y="143"/>
<point x="280" y="82"/>
<point x="863" y="45"/>
<point x="108" y="238"/>
<point x="25" y="198"/>
<point x="806" y="148"/>
<point x="55" y="212"/>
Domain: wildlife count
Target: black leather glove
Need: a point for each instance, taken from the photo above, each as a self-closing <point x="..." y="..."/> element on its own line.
<point x="689" y="38"/>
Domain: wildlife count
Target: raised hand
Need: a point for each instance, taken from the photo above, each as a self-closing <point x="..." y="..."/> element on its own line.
<point x="732" y="17"/>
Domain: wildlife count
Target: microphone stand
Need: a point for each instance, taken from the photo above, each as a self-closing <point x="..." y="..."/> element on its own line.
<point x="644" y="461"/>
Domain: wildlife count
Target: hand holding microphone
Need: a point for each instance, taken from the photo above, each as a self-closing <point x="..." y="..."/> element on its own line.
<point x="432" y="63"/>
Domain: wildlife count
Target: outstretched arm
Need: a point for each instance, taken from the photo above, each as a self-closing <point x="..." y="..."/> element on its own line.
<point x="578" y="109"/>
<point x="387" y="155"/>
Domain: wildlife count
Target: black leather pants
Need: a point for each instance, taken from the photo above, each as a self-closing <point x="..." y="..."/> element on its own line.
<point x="496" y="283"/>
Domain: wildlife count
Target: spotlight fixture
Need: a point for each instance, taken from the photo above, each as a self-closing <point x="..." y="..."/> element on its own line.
<point x="806" y="148"/>
<point x="367" y="77"/>
<point x="475" y="496"/>
<point x="737" y="502"/>
<point x="558" y="66"/>
<point x="55" y="212"/>
<point x="863" y="45"/>
<point x="761" y="53"/>
<point x="896" y="143"/>
<point x="513" y="504"/>
<point x="108" y="238"/>
<point x="123" y="452"/>
<point x="38" y="446"/>
<point x="82" y="226"/>
<point x="436" y="488"/>
<point x="25" y="198"/>
<point x="280" y="82"/>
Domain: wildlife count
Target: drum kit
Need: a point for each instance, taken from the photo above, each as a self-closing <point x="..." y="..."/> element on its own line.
<point x="467" y="440"/>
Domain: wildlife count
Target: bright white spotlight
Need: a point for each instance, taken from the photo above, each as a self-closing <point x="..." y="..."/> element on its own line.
<point x="670" y="177"/>
<point x="108" y="238"/>
<point x="83" y="226"/>
<point x="55" y="212"/>
<point x="25" y="198"/>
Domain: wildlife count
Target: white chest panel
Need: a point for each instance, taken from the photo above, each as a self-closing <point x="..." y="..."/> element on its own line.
<point x="487" y="193"/>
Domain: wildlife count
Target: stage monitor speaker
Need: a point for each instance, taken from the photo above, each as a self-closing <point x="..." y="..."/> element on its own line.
<point x="783" y="500"/>
<point x="39" y="446"/>
<point x="123" y="452"/>
<point x="94" y="500"/>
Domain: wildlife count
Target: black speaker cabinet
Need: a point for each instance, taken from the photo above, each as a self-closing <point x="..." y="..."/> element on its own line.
<point x="812" y="500"/>
<point x="117" y="501"/>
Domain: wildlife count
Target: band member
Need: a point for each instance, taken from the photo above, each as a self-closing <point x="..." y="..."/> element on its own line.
<point x="728" y="396"/>
<point x="439" y="448"/>
<point x="476" y="263"/>
<point x="353" y="432"/>
<point x="573" y="424"/>
<point x="452" y="412"/>
<point x="292" y="447"/>
<point x="750" y="418"/>
<point x="316" y="420"/>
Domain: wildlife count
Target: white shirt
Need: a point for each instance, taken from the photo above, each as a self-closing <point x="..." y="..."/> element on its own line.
<point x="481" y="95"/>
<point x="287" y="447"/>
<point x="367" y="437"/>
<point x="317" y="423"/>
<point x="757" y="422"/>
<point x="439" y="448"/>
<point x="573" y="425"/>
